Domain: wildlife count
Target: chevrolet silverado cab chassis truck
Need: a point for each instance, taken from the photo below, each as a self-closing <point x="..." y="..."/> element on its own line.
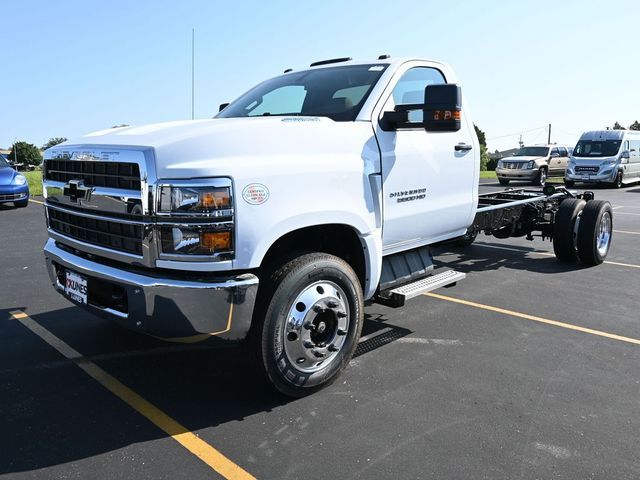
<point x="274" y="222"/>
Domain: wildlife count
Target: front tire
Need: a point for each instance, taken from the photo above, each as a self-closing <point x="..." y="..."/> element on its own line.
<point x="21" y="204"/>
<point x="503" y="181"/>
<point x="617" y="183"/>
<point x="569" y="183"/>
<point x="595" y="232"/>
<point x="308" y="320"/>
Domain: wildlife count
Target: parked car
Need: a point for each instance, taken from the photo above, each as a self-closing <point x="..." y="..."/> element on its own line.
<point x="533" y="164"/>
<point x="13" y="186"/>
<point x="606" y="156"/>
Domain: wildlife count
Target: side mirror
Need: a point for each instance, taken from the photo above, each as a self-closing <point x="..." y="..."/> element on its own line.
<point x="625" y="154"/>
<point x="442" y="108"/>
<point x="223" y="106"/>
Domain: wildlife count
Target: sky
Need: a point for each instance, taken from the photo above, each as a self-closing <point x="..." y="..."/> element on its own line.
<point x="71" y="67"/>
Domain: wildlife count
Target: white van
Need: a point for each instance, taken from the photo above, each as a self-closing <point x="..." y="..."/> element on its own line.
<point x="605" y="156"/>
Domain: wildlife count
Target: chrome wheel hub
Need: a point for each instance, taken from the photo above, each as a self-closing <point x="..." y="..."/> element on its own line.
<point x="316" y="327"/>
<point x="604" y="234"/>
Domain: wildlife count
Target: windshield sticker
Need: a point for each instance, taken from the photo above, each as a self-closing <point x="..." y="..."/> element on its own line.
<point x="255" y="194"/>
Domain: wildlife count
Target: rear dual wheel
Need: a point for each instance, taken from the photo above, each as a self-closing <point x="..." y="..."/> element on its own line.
<point x="307" y="323"/>
<point x="583" y="230"/>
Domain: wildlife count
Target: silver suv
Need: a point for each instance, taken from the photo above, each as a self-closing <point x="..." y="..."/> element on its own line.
<point x="533" y="164"/>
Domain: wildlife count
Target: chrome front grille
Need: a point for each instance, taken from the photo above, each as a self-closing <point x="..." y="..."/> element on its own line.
<point x="100" y="231"/>
<point x="513" y="165"/>
<point x="121" y="175"/>
<point x="584" y="169"/>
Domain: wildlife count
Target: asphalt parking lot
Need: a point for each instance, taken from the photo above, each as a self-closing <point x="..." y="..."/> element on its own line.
<point x="528" y="369"/>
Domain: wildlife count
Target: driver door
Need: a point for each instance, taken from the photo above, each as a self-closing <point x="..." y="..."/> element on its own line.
<point x="429" y="178"/>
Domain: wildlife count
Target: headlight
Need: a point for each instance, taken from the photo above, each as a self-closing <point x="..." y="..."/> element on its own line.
<point x="607" y="164"/>
<point x="19" y="179"/>
<point x="530" y="164"/>
<point x="214" y="201"/>
<point x="499" y="163"/>
<point x="183" y="240"/>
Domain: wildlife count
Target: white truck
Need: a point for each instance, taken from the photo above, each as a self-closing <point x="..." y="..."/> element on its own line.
<point x="275" y="221"/>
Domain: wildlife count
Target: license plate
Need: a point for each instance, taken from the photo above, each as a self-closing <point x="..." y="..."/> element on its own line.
<point x="75" y="286"/>
<point x="585" y="177"/>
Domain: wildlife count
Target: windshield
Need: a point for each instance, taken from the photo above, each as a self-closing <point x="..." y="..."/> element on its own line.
<point x="336" y="92"/>
<point x="597" y="148"/>
<point x="3" y="163"/>
<point x="532" y="152"/>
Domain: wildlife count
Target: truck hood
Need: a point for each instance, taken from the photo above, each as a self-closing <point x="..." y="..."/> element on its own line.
<point x="201" y="148"/>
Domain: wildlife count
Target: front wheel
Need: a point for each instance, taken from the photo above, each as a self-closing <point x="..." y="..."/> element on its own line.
<point x="308" y="323"/>
<point x="617" y="183"/>
<point x="21" y="204"/>
<point x="564" y="229"/>
<point x="569" y="183"/>
<point x="541" y="178"/>
<point x="503" y="181"/>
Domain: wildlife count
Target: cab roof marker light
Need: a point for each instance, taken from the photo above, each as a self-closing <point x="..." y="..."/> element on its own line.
<point x="331" y="60"/>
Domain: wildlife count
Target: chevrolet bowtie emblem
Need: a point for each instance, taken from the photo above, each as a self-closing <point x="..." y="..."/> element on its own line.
<point x="75" y="189"/>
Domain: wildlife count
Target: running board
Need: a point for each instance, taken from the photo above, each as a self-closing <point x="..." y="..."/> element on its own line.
<point x="398" y="296"/>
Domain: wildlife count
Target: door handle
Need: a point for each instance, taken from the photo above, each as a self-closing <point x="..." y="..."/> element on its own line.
<point x="462" y="147"/>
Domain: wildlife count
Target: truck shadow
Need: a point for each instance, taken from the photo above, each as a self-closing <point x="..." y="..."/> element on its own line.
<point x="55" y="414"/>
<point x="477" y="258"/>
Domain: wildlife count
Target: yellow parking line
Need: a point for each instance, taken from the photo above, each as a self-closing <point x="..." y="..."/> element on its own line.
<point x="198" y="447"/>
<point x="547" y="254"/>
<point x="534" y="318"/>
<point x="36" y="201"/>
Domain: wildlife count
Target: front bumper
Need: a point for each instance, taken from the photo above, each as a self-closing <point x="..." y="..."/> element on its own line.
<point x="606" y="177"/>
<point x="183" y="310"/>
<point x="14" y="193"/>
<point x="523" y="174"/>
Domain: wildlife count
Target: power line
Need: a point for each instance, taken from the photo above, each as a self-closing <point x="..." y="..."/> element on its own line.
<point x="518" y="133"/>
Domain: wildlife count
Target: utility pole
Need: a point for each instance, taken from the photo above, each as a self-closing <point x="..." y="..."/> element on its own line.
<point x="549" y="139"/>
<point x="193" y="70"/>
<point x="520" y="142"/>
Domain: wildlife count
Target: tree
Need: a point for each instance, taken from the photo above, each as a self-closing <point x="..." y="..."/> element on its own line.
<point x="635" y="126"/>
<point x="617" y="126"/>
<point x="53" y="142"/>
<point x="27" y="154"/>
<point x="484" y="153"/>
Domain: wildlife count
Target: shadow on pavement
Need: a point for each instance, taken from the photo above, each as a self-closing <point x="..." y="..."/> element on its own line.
<point x="476" y="258"/>
<point x="55" y="414"/>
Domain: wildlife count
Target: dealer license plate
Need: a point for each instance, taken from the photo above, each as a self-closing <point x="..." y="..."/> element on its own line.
<point x="75" y="286"/>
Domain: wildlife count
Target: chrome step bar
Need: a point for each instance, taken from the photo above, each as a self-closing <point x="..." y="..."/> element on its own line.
<point x="398" y="296"/>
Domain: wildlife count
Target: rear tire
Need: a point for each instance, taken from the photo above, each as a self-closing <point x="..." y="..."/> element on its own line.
<point x="564" y="238"/>
<point x="503" y="181"/>
<point x="466" y="240"/>
<point x="595" y="232"/>
<point x="307" y="323"/>
<point x="541" y="178"/>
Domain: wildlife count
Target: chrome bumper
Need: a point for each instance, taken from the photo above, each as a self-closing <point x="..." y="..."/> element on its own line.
<point x="516" y="173"/>
<point x="170" y="308"/>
